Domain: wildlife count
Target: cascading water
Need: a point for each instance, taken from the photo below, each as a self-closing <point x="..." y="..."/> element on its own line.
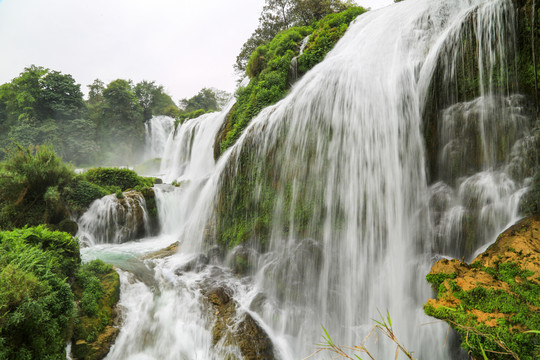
<point x="158" y="129"/>
<point x="114" y="220"/>
<point x="329" y="191"/>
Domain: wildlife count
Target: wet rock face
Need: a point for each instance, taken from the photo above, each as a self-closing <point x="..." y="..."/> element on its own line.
<point x="242" y="259"/>
<point x="115" y="219"/>
<point x="233" y="329"/>
<point x="196" y="265"/>
<point x="493" y="301"/>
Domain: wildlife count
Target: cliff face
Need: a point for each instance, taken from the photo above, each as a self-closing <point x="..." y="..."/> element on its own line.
<point x="494" y="302"/>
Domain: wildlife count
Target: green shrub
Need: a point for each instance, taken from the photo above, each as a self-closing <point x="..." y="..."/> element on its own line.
<point x="124" y="179"/>
<point x="181" y="118"/>
<point x="31" y="180"/>
<point x="80" y="193"/>
<point x="36" y="302"/>
<point x="97" y="290"/>
<point x="327" y="32"/>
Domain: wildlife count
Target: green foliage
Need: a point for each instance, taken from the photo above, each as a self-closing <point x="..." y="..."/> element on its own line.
<point x="205" y="100"/>
<point x="97" y="290"/>
<point x="30" y="182"/>
<point x="327" y="33"/>
<point x="269" y="68"/>
<point x="183" y="116"/>
<point x="92" y="289"/>
<point x="80" y="193"/>
<point x="279" y="15"/>
<point x="123" y="179"/>
<point x="437" y="279"/>
<point x="152" y="99"/>
<point x="37" y="106"/>
<point x="518" y="305"/>
<point x="36" y="303"/>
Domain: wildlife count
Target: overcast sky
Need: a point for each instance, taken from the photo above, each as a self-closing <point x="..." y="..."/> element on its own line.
<point x="184" y="45"/>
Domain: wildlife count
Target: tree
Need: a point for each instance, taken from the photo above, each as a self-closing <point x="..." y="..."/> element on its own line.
<point x="278" y="15"/>
<point x="205" y="100"/>
<point x="60" y="97"/>
<point x="95" y="93"/>
<point x="152" y="98"/>
<point x="121" y="126"/>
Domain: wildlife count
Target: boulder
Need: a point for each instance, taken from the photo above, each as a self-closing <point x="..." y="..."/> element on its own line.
<point x="236" y="329"/>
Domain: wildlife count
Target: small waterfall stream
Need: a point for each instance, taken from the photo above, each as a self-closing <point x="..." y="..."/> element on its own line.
<point x="158" y="129"/>
<point x="360" y="204"/>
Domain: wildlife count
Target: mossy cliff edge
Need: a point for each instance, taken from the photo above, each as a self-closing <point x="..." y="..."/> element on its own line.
<point x="494" y="302"/>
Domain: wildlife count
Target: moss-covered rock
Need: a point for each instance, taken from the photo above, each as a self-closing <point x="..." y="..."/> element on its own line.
<point x="97" y="291"/>
<point x="165" y="252"/>
<point x="494" y="301"/>
<point x="239" y="331"/>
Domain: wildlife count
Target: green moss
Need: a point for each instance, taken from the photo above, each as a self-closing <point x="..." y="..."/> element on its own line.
<point x="437" y="279"/>
<point x="269" y="69"/>
<point x="97" y="290"/>
<point x="514" y="311"/>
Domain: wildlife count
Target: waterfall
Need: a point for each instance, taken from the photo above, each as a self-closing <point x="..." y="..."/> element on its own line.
<point x="114" y="220"/>
<point x="158" y="129"/>
<point x="342" y="162"/>
<point x="189" y="150"/>
<point x="338" y="199"/>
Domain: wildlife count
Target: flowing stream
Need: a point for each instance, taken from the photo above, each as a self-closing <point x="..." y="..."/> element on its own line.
<point x="361" y="205"/>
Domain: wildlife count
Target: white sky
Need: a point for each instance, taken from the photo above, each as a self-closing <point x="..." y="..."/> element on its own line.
<point x="184" y="45"/>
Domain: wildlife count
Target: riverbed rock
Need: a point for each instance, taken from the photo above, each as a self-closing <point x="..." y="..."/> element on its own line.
<point x="168" y="251"/>
<point x="237" y="329"/>
<point x="495" y="300"/>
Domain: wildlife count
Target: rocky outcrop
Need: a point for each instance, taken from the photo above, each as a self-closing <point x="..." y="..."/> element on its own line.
<point x="236" y="329"/>
<point x="494" y="301"/>
<point x="230" y="326"/>
<point x="117" y="218"/>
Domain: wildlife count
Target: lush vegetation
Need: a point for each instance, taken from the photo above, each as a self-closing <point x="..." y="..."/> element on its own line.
<point x="279" y="15"/>
<point x="493" y="302"/>
<point x="37" y="187"/>
<point x="43" y="106"/>
<point x="32" y="180"/>
<point x="204" y="102"/>
<point x="36" y="302"/>
<point x="269" y="69"/>
<point x="124" y="179"/>
<point x="97" y="286"/>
